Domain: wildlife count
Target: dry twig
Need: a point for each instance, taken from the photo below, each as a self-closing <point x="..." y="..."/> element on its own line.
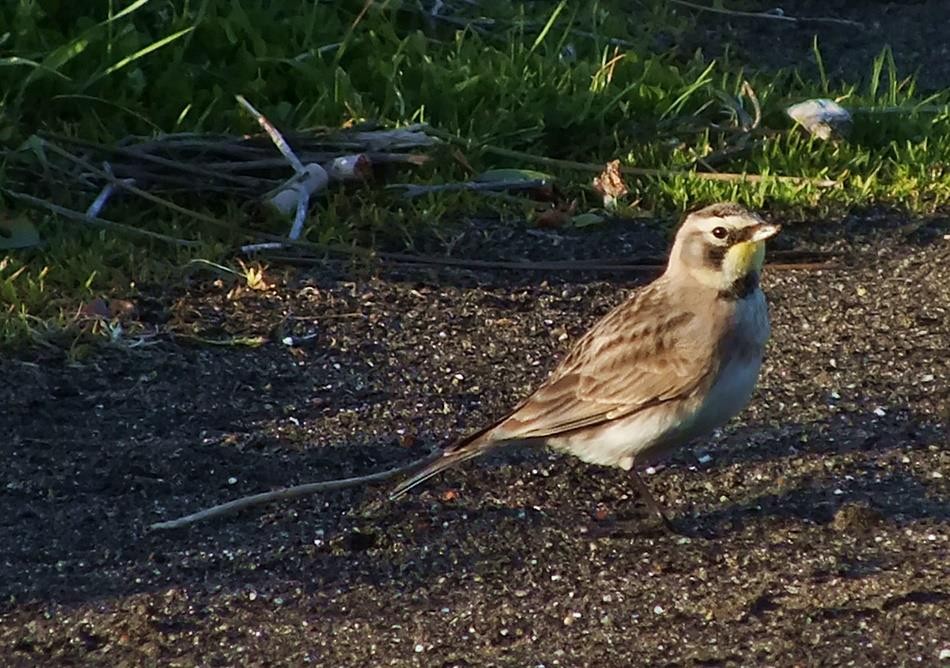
<point x="100" y="222"/>
<point x="768" y="15"/>
<point x="635" y="171"/>
<point x="644" y="264"/>
<point x="285" y="493"/>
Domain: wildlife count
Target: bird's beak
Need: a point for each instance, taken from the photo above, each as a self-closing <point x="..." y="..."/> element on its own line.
<point x="765" y="231"/>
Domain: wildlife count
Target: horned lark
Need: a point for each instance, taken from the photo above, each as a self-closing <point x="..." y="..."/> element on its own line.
<point x="676" y="360"/>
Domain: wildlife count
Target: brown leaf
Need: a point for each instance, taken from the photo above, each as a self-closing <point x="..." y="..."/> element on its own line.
<point x="610" y="184"/>
<point x="122" y="308"/>
<point x="97" y="309"/>
<point x="449" y="495"/>
<point x="556" y="217"/>
<point x="460" y="158"/>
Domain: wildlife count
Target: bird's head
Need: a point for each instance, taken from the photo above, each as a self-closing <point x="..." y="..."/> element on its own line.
<point x="722" y="246"/>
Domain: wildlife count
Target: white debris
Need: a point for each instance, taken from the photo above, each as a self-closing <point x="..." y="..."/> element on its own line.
<point x="880" y="412"/>
<point x="821" y="117"/>
<point x="313" y="179"/>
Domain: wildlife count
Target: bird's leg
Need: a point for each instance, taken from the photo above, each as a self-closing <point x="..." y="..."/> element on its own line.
<point x="648" y="499"/>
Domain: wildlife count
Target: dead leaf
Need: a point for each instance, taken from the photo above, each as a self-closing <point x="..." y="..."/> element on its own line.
<point x="254" y="276"/>
<point x="122" y="308"/>
<point x="556" y="217"/>
<point x="462" y="160"/>
<point x="449" y="495"/>
<point x="97" y="309"/>
<point x="610" y="184"/>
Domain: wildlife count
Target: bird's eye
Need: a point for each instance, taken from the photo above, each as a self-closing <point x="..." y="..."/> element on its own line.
<point x="720" y="232"/>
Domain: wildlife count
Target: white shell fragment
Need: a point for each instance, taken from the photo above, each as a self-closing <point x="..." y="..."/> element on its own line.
<point x="823" y="118"/>
<point x="350" y="168"/>
<point x="315" y="180"/>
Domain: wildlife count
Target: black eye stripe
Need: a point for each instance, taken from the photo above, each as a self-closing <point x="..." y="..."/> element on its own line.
<point x="734" y="236"/>
<point x="714" y="255"/>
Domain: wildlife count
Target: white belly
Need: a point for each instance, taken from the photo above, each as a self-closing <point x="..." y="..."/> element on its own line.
<point x="729" y="396"/>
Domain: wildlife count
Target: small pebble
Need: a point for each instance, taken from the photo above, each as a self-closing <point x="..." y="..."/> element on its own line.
<point x="419" y="648"/>
<point x="945" y="654"/>
<point x="658" y="610"/>
<point x="232" y="481"/>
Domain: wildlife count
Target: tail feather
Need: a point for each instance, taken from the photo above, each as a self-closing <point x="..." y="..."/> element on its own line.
<point x="470" y="448"/>
<point x="448" y="459"/>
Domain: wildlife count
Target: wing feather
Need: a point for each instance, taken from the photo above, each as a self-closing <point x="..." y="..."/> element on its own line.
<point x="643" y="353"/>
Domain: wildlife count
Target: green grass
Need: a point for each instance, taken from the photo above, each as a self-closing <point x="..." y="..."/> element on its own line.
<point x="538" y="80"/>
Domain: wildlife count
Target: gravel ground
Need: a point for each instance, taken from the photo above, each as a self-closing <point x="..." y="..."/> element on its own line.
<point x="813" y="529"/>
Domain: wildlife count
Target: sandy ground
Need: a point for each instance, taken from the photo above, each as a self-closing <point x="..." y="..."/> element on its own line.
<point x="812" y="531"/>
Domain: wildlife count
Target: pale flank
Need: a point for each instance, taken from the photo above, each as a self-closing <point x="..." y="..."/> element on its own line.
<point x="674" y="361"/>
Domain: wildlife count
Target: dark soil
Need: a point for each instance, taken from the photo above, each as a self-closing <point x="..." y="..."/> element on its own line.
<point x="916" y="31"/>
<point x="813" y="530"/>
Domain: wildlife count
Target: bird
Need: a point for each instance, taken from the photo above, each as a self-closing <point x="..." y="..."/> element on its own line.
<point x="676" y="360"/>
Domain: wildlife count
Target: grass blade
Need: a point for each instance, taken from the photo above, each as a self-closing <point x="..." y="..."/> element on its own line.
<point x="547" y="26"/>
<point x="141" y="53"/>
